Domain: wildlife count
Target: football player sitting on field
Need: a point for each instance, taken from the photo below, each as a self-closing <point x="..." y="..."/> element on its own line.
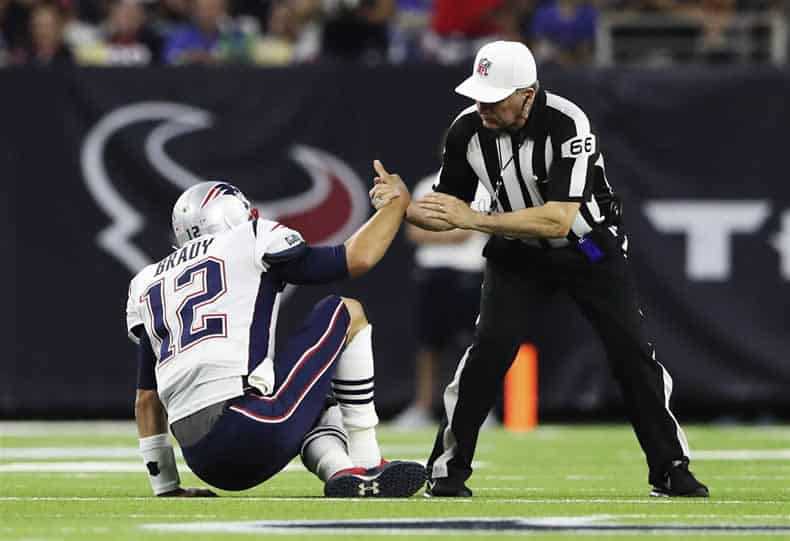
<point x="241" y="409"/>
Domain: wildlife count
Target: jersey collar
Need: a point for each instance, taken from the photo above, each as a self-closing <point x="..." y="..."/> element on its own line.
<point x="535" y="120"/>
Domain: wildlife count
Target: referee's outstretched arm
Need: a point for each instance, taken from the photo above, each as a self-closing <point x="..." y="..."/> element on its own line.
<point x="552" y="220"/>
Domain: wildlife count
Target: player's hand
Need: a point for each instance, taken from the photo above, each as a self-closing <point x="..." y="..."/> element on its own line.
<point x="390" y="188"/>
<point x="189" y="493"/>
<point x="382" y="194"/>
<point x="441" y="206"/>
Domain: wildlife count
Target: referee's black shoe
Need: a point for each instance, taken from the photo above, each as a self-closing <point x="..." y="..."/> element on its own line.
<point x="444" y="487"/>
<point x="678" y="481"/>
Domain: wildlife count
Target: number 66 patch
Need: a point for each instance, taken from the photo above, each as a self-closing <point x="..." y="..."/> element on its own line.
<point x="584" y="145"/>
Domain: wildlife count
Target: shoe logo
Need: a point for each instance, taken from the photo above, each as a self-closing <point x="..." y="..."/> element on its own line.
<point x="373" y="488"/>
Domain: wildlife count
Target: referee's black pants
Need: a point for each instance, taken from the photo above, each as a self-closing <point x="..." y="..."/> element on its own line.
<point x="605" y="293"/>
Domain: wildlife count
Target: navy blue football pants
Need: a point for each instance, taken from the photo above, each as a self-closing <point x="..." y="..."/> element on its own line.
<point x="255" y="437"/>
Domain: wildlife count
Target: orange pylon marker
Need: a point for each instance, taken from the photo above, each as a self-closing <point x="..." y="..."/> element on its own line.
<point x="521" y="391"/>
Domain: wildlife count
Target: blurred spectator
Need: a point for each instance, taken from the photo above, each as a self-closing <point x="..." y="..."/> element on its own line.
<point x="645" y="5"/>
<point x="410" y="22"/>
<point x="277" y="46"/>
<point x="715" y="18"/>
<point x="126" y="40"/>
<point x="469" y="18"/>
<point x="356" y="30"/>
<point x="710" y="31"/>
<point x="211" y="37"/>
<point x="528" y="15"/>
<point x="668" y="38"/>
<point x="667" y="6"/>
<point x="460" y="27"/>
<point x="76" y="31"/>
<point x="260" y="9"/>
<point x="563" y="32"/>
<point x="173" y="13"/>
<point x="46" y="46"/>
<point x="760" y="5"/>
<point x="280" y="32"/>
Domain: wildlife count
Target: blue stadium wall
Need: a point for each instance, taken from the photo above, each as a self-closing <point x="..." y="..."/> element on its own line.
<point x="92" y="160"/>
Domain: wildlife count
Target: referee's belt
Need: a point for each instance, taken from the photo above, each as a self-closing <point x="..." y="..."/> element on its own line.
<point x="591" y="244"/>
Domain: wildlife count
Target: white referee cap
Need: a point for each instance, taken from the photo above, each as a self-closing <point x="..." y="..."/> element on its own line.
<point x="500" y="68"/>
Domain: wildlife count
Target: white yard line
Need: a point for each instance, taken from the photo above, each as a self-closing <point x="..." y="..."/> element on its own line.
<point x="437" y="501"/>
<point x="504" y="477"/>
<point x="35" y="453"/>
<point x="28" y="464"/>
<point x="97" y="467"/>
<point x="509" y="489"/>
<point x="742" y="454"/>
<point x="748" y="477"/>
<point x="75" y="467"/>
<point x="47" y="429"/>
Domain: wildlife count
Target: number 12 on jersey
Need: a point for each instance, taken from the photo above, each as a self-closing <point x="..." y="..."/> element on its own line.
<point x="211" y="286"/>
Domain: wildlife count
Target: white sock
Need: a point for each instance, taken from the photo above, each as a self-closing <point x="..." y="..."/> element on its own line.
<point x="324" y="449"/>
<point x="326" y="456"/>
<point x="353" y="388"/>
<point x="364" y="448"/>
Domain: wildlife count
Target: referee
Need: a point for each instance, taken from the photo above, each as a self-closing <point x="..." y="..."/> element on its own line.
<point x="553" y="223"/>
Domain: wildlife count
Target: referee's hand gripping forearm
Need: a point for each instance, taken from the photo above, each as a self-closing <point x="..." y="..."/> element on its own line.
<point x="421" y="217"/>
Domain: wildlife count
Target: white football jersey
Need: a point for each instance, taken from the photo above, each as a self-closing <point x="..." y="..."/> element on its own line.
<point x="211" y="313"/>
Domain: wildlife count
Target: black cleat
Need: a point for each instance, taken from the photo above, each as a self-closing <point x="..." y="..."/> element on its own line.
<point x="444" y="487"/>
<point x="680" y="482"/>
<point x="396" y="479"/>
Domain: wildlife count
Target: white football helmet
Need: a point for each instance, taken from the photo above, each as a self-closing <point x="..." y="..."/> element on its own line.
<point x="209" y="208"/>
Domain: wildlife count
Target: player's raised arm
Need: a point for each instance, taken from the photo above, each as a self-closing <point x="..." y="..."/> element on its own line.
<point x="368" y="245"/>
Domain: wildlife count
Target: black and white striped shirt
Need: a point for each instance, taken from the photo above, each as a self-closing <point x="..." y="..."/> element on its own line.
<point x="554" y="157"/>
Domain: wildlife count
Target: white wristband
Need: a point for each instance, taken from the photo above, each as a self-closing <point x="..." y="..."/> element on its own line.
<point x="160" y="461"/>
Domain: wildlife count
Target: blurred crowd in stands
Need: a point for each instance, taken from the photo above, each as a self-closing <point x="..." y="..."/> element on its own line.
<point x="282" y="32"/>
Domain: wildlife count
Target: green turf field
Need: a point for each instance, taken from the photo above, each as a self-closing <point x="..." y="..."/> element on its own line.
<point x="80" y="481"/>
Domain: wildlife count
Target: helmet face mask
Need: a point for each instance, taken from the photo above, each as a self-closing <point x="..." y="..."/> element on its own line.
<point x="209" y="208"/>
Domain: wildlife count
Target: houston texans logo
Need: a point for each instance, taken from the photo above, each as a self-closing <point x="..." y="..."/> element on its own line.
<point x="328" y="212"/>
